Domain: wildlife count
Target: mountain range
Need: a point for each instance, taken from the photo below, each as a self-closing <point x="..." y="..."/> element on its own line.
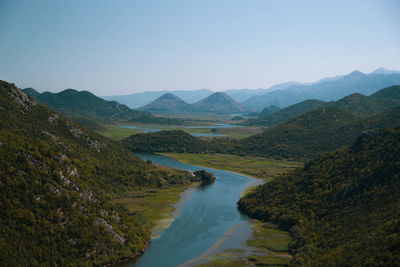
<point x="328" y="89"/>
<point x="358" y="104"/>
<point x="138" y="100"/>
<point x="81" y="105"/>
<point x="216" y="103"/>
<point x="284" y="94"/>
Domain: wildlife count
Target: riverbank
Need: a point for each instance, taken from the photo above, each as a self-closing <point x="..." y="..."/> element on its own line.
<point x="256" y="167"/>
<point x="158" y="205"/>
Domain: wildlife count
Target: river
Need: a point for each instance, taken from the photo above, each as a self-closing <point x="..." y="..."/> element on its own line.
<point x="207" y="222"/>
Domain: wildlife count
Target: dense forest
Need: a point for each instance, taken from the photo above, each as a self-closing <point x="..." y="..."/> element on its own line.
<point x="341" y="209"/>
<point x="57" y="180"/>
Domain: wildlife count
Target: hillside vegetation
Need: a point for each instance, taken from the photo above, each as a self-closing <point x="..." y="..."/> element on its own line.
<point x="313" y="133"/>
<point x="341" y="209"/>
<point x="57" y="180"/>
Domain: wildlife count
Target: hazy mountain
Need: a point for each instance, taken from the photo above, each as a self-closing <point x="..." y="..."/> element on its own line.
<point x="342" y="208"/>
<point x="168" y="103"/>
<point x="220" y="103"/>
<point x="57" y="180"/>
<point x="138" y="100"/>
<point x="358" y="104"/>
<point x="85" y="104"/>
<point x="217" y="103"/>
<point x="327" y="89"/>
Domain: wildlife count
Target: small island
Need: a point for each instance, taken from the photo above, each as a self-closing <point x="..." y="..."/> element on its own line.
<point x="204" y="177"/>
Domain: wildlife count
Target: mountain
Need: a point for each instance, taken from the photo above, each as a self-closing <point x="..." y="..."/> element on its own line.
<point x="220" y="103"/>
<point x="385" y="71"/>
<point x="167" y="103"/>
<point x="75" y="103"/>
<point x="326" y="89"/>
<point x="342" y="208"/>
<point x="358" y="104"/>
<point x="57" y="180"/>
<point x="141" y="99"/>
<point x="313" y="133"/>
<point x="286" y="113"/>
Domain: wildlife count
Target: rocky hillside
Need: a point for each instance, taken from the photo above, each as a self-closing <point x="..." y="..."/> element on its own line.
<point x="57" y="180"/>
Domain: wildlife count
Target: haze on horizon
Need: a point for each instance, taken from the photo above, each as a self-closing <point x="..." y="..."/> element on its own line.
<point x="122" y="47"/>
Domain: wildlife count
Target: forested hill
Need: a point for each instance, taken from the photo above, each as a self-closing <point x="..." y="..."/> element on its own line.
<point x="341" y="209"/>
<point x="165" y="141"/>
<point x="75" y="103"/>
<point x="57" y="179"/>
<point x="313" y="133"/>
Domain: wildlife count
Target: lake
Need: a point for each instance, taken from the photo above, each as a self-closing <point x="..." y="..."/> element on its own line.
<point x="208" y="222"/>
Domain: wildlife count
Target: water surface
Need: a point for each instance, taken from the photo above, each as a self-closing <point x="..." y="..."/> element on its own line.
<point x="208" y="222"/>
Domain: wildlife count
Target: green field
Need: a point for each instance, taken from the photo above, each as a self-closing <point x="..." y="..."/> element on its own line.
<point x="261" y="168"/>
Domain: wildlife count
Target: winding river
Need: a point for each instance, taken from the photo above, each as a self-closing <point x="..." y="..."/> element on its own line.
<point x="207" y="222"/>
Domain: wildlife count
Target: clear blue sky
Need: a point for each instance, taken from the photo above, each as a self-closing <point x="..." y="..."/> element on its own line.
<point x="119" y="47"/>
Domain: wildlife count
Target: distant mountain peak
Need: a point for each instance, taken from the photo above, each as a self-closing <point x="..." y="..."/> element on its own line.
<point x="169" y="96"/>
<point x="385" y="71"/>
<point x="219" y="102"/>
<point x="356" y="73"/>
<point x="167" y="103"/>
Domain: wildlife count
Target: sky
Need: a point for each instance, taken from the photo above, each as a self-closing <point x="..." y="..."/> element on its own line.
<point x="122" y="47"/>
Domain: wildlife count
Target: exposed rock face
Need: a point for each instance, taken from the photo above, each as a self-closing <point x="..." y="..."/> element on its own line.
<point x="22" y="99"/>
<point x="53" y="118"/>
<point x="110" y="229"/>
<point x="76" y="132"/>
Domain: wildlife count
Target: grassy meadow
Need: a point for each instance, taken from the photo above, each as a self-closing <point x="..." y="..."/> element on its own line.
<point x="260" y="168"/>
